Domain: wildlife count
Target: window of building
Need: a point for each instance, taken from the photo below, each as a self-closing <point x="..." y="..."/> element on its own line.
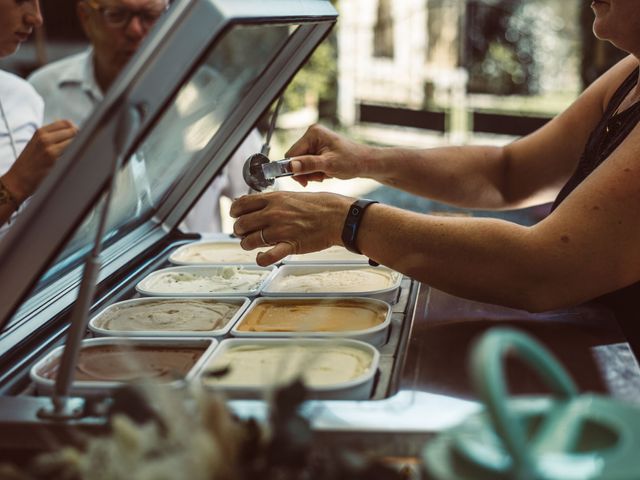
<point x="383" y="45"/>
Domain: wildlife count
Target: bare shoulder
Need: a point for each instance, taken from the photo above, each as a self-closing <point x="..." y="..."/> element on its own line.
<point x="610" y="81"/>
<point x="594" y="233"/>
<point x="583" y="115"/>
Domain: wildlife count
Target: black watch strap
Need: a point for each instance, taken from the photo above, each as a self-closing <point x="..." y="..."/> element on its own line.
<point x="352" y="225"/>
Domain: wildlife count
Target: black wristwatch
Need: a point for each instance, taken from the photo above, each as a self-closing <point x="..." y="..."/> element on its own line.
<point x="352" y="225"/>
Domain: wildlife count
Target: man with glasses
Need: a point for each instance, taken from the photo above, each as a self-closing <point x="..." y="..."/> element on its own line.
<point x="72" y="87"/>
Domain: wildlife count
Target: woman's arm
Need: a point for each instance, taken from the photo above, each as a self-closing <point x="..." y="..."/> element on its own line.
<point x="526" y="172"/>
<point x="587" y="247"/>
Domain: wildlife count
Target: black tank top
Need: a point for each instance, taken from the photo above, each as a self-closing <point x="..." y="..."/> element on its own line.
<point x="604" y="139"/>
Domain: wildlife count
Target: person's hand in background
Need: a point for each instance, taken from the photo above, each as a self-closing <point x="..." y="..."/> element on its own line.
<point x="37" y="158"/>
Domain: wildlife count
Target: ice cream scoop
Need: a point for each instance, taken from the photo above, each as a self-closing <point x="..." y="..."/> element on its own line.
<point x="260" y="173"/>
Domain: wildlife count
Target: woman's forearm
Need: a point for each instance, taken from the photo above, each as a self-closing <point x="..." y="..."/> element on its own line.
<point x="488" y="260"/>
<point x="468" y="176"/>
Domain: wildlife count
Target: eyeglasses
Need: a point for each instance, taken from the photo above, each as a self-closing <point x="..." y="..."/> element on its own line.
<point x="118" y="17"/>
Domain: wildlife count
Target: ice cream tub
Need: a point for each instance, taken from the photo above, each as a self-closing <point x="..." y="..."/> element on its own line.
<point x="334" y="280"/>
<point x="227" y="252"/>
<point x="170" y="317"/>
<point x="105" y="364"/>
<point x="331" y="255"/>
<point x="206" y="281"/>
<point x="336" y="369"/>
<point x="364" y="319"/>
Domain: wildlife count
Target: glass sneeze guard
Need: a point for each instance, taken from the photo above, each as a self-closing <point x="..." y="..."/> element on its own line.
<point x="240" y="71"/>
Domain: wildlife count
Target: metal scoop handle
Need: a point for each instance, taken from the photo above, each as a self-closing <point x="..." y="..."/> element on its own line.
<point x="277" y="169"/>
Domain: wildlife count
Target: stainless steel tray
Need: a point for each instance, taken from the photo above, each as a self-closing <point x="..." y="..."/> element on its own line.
<point x="145" y="287"/>
<point x="95" y="324"/>
<point x="359" y="388"/>
<point x="389" y="294"/>
<point x="95" y="388"/>
<point x="227" y="252"/>
<point x="376" y="335"/>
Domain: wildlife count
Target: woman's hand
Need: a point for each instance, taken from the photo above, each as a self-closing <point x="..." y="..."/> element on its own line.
<point x="38" y="157"/>
<point x="321" y="153"/>
<point x="290" y="223"/>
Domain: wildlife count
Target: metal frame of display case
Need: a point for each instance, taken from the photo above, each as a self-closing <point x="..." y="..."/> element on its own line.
<point x="34" y="320"/>
<point x="155" y="72"/>
<point x="165" y="60"/>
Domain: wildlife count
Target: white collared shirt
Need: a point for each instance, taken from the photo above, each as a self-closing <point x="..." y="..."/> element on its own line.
<point x="23" y="109"/>
<point x="68" y="87"/>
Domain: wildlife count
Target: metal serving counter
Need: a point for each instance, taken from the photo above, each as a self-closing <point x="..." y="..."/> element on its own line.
<point x="421" y="389"/>
<point x="396" y="406"/>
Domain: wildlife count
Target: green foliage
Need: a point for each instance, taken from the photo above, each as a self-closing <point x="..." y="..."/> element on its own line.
<point x="520" y="47"/>
<point x="316" y="81"/>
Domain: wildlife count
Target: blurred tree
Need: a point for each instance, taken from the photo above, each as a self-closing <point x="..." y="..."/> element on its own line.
<point x="489" y="56"/>
<point x="316" y="84"/>
<point x="518" y="46"/>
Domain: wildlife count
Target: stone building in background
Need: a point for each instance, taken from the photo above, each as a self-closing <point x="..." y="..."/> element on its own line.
<point x="442" y="64"/>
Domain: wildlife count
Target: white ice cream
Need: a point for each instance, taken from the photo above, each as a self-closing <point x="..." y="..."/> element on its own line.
<point x="350" y="280"/>
<point x="263" y="365"/>
<point x="333" y="254"/>
<point x="213" y="252"/>
<point x="168" y="315"/>
<point x="202" y="281"/>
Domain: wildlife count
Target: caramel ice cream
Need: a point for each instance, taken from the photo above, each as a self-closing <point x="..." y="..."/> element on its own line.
<point x="348" y="280"/>
<point x="213" y="252"/>
<point x="123" y="363"/>
<point x="196" y="281"/>
<point x="262" y="365"/>
<point x="168" y="315"/>
<point x="313" y="316"/>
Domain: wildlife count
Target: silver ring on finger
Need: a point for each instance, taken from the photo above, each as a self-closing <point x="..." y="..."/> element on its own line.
<point x="264" y="240"/>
